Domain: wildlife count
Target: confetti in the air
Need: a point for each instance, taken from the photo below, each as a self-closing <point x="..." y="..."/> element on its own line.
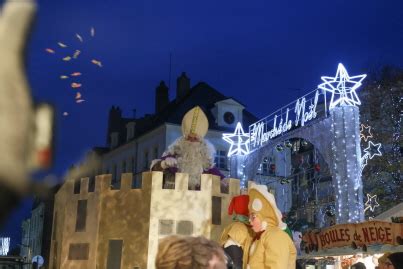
<point x="65" y="114"/>
<point x="62" y="45"/>
<point x="75" y="85"/>
<point x="96" y="62"/>
<point x="79" y="37"/>
<point x="76" y="53"/>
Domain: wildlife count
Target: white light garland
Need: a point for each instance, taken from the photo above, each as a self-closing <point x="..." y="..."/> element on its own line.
<point x="4" y="246"/>
<point x="371" y="202"/>
<point x="239" y="141"/>
<point x="372" y="150"/>
<point x="365" y="134"/>
<point x="344" y="86"/>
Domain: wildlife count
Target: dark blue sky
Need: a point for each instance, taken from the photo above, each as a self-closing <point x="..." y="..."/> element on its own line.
<point x="260" y="52"/>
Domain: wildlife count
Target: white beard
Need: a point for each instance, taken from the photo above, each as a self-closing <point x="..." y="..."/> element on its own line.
<point x="192" y="157"/>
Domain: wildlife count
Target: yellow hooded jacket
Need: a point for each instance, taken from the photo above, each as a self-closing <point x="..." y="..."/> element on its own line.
<point x="274" y="249"/>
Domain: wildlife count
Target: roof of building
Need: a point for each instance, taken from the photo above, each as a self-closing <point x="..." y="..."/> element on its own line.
<point x="201" y="94"/>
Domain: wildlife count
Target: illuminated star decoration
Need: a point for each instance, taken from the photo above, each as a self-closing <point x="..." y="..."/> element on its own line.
<point x="239" y="141"/>
<point x="373" y="150"/>
<point x="344" y="86"/>
<point x="364" y="134"/>
<point x="371" y="203"/>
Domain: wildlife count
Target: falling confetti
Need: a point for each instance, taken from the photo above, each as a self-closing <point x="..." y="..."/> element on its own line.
<point x="79" y="37"/>
<point x="64" y="77"/>
<point x="50" y="51"/>
<point x="80" y="101"/>
<point x="75" y="74"/>
<point x="75" y="85"/>
<point x="67" y="58"/>
<point x="62" y="45"/>
<point x="96" y="62"/>
<point x="78" y="95"/>
<point x="76" y="53"/>
<point x="92" y="31"/>
<point x="65" y="114"/>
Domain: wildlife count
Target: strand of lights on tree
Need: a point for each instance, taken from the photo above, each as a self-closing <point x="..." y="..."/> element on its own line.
<point x="343" y="86"/>
<point x="239" y="141"/>
<point x="371" y="202"/>
<point x="4" y="245"/>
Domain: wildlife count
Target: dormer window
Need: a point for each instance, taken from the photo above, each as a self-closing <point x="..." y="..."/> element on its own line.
<point x="228" y="112"/>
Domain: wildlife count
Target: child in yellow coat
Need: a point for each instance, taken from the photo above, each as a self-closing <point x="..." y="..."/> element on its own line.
<point x="272" y="248"/>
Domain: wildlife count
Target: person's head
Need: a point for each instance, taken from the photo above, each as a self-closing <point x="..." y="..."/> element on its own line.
<point x="358" y="265"/>
<point x="179" y="252"/>
<point x="382" y="260"/>
<point x="394" y="261"/>
<point x="263" y="209"/>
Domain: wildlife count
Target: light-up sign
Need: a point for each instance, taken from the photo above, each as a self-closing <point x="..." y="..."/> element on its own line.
<point x="296" y="114"/>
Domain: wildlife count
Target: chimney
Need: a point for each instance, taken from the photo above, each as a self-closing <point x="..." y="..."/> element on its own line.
<point x="115" y="117"/>
<point x="182" y="86"/>
<point x="161" y="97"/>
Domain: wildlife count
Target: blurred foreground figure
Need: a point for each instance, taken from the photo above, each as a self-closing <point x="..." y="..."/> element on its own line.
<point x="26" y="130"/>
<point x="180" y="252"/>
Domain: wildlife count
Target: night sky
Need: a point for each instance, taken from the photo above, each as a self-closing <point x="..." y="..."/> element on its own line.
<point x="264" y="53"/>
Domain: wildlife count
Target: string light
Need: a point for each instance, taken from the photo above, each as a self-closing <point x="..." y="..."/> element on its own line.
<point x="365" y="134"/>
<point x="239" y="141"/>
<point x="344" y="86"/>
<point x="371" y="202"/>
<point x="4" y="245"/>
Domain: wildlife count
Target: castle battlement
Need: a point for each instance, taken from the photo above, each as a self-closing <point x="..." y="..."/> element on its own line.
<point x="151" y="181"/>
<point x="92" y="215"/>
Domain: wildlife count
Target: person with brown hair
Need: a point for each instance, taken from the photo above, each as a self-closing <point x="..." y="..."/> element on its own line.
<point x="382" y="260"/>
<point x="180" y="252"/>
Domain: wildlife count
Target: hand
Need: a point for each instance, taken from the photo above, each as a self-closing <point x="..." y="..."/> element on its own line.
<point x="169" y="162"/>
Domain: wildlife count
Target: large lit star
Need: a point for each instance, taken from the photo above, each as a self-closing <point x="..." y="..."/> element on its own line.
<point x="373" y="150"/>
<point x="371" y="202"/>
<point x="343" y="86"/>
<point x="365" y="132"/>
<point x="239" y="141"/>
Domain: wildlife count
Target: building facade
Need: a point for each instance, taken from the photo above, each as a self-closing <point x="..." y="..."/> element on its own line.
<point x="120" y="228"/>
